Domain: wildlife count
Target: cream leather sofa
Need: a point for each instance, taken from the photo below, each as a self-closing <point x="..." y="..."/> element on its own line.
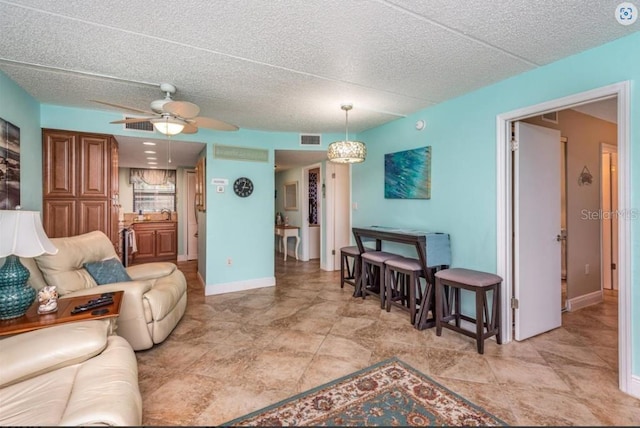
<point x="154" y="301"/>
<point x="69" y="374"/>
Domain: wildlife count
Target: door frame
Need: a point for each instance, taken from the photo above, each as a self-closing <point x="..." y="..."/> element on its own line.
<point x="304" y="201"/>
<point x="504" y="206"/>
<point x="605" y="268"/>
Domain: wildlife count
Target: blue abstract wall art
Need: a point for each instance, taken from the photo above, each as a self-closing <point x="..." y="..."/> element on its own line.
<point x="407" y="174"/>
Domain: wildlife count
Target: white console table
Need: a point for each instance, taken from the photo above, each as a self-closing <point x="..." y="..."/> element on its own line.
<point x="285" y="232"/>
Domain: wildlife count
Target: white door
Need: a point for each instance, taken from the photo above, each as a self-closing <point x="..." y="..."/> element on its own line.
<point x="192" y="219"/>
<point x="537" y="257"/>
<point x="338" y="202"/>
<point x="342" y="213"/>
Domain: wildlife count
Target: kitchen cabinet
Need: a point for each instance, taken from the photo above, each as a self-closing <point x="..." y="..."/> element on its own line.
<point x="155" y="241"/>
<point x="80" y="184"/>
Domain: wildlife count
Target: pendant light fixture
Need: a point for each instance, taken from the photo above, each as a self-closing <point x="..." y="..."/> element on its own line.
<point x="347" y="151"/>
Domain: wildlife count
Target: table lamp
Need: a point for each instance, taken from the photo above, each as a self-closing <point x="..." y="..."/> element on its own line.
<point x="21" y="235"/>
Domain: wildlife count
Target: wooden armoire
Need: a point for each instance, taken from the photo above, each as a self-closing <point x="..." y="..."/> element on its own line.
<point x="80" y="184"/>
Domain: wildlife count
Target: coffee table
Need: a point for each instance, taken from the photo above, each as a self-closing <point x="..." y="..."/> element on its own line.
<point x="31" y="320"/>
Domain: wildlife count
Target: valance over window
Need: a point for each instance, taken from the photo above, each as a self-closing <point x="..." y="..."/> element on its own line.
<point x="152" y="176"/>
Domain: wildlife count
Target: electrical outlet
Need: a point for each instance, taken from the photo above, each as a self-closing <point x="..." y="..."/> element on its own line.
<point x="229" y="261"/>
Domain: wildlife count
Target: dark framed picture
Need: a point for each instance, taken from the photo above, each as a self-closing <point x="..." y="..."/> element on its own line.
<point x="9" y="165"/>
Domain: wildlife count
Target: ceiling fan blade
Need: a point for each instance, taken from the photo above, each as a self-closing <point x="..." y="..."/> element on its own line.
<point x="135" y="120"/>
<point x="122" y="107"/>
<point x="183" y="109"/>
<point x="189" y="129"/>
<point x="218" y="125"/>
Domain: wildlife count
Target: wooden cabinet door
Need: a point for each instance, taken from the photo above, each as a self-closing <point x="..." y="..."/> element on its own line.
<point x="145" y="243"/>
<point x="59" y="217"/>
<point x="94" y="166"/>
<point x="59" y="164"/>
<point x="166" y="243"/>
<point x="93" y="215"/>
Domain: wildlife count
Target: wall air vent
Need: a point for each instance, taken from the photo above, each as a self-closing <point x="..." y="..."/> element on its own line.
<point x="552" y="117"/>
<point x="309" y="139"/>
<point x="139" y="126"/>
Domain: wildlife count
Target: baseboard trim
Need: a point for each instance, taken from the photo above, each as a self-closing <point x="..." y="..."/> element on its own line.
<point x="584" y="301"/>
<point x="230" y="287"/>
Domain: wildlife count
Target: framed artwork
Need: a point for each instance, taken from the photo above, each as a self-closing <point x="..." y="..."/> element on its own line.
<point x="407" y="174"/>
<point x="9" y="165"/>
<point x="291" y="196"/>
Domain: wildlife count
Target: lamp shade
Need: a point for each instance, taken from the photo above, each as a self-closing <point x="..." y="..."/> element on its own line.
<point x="22" y="234"/>
<point x="168" y="125"/>
<point x="347" y="152"/>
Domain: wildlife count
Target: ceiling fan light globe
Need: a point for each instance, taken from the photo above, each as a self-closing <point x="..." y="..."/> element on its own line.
<point x="168" y="126"/>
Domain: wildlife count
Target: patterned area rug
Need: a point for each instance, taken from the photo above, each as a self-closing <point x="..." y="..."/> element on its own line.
<point x="390" y="393"/>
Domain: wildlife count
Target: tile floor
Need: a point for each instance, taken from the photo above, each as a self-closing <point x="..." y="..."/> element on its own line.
<point x="235" y="353"/>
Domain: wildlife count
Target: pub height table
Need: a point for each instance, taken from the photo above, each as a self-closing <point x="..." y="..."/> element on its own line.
<point x="433" y="252"/>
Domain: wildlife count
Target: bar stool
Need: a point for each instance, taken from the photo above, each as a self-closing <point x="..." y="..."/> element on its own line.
<point x="349" y="270"/>
<point x="371" y="277"/>
<point x="449" y="282"/>
<point x="403" y="286"/>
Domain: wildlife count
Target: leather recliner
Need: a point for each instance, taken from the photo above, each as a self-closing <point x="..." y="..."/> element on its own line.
<point x="69" y="374"/>
<point x="153" y="303"/>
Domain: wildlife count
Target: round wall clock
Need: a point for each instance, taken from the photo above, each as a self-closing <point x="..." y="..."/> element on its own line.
<point x="243" y="187"/>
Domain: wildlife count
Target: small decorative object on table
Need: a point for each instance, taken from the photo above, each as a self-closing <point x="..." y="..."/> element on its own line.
<point x="48" y="298"/>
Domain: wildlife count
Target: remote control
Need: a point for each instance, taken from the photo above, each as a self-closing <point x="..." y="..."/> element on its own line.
<point x="95" y="304"/>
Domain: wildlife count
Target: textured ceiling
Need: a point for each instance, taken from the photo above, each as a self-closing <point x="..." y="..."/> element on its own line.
<point x="289" y="65"/>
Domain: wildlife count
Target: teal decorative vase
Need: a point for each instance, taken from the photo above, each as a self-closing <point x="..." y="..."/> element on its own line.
<point x="15" y="295"/>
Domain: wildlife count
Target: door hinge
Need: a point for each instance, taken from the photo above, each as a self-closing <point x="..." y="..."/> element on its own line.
<point x="514" y="145"/>
<point x="613" y="266"/>
<point x="333" y="252"/>
<point x="333" y="175"/>
<point x="514" y="303"/>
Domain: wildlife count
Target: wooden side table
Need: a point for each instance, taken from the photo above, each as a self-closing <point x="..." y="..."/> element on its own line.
<point x="31" y="320"/>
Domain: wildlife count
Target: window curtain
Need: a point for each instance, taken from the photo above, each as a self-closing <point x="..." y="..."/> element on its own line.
<point x="152" y="176"/>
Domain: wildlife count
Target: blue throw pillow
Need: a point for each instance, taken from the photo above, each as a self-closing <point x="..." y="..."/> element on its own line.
<point x="107" y="271"/>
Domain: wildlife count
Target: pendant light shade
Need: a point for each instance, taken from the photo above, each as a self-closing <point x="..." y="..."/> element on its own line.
<point x="347" y="151"/>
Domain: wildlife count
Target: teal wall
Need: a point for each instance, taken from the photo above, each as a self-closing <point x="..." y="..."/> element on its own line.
<point x="22" y="110"/>
<point x="462" y="134"/>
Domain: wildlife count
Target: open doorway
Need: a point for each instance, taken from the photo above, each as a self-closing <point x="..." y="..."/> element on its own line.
<point x="506" y="201"/>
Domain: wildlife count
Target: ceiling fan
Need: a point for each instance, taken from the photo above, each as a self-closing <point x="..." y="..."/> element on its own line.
<point x="172" y="117"/>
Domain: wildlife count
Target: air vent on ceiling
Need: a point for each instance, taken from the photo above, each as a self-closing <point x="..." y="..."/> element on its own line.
<point x="309" y="139"/>
<point x="552" y="117"/>
<point x="139" y="126"/>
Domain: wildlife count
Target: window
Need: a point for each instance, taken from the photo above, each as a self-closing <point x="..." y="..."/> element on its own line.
<point x="153" y="189"/>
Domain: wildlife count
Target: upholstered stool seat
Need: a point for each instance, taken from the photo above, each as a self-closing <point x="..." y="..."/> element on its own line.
<point x="349" y="265"/>
<point x="372" y="272"/>
<point x="449" y="282"/>
<point x="403" y="286"/>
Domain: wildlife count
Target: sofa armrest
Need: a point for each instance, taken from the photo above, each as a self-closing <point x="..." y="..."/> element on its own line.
<point x="35" y="352"/>
<point x="152" y="270"/>
<point x="135" y="289"/>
